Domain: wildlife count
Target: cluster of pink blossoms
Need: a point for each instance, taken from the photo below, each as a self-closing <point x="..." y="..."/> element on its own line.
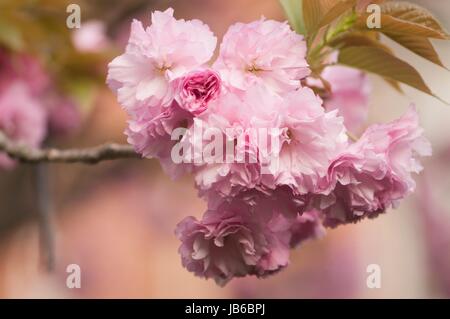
<point x="29" y="108"/>
<point x="257" y="211"/>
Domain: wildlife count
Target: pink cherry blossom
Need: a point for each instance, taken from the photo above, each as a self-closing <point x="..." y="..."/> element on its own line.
<point x="197" y="89"/>
<point x="403" y="143"/>
<point x="350" y="91"/>
<point x="238" y="117"/>
<point x="307" y="139"/>
<point x="149" y="131"/>
<point x="22" y="118"/>
<point x="264" y="51"/>
<point x="374" y="173"/>
<point x="247" y="235"/>
<point x="312" y="137"/>
<point x="166" y="50"/>
<point x="264" y="197"/>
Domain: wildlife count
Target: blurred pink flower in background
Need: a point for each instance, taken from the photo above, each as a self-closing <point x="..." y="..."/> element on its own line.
<point x="24" y="68"/>
<point x="63" y="115"/>
<point x="22" y="118"/>
<point x="91" y="37"/>
<point x="36" y="85"/>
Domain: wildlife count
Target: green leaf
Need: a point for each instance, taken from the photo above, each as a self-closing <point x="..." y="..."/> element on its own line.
<point x="312" y="15"/>
<point x="394" y="84"/>
<point x="355" y="38"/>
<point x="294" y="13"/>
<point x="412" y="13"/>
<point x="378" y="61"/>
<point x="326" y="5"/>
<point x="419" y="45"/>
<point x="404" y="18"/>
<point x="336" y="11"/>
<point x="365" y="39"/>
<point x="363" y="4"/>
<point x="393" y="25"/>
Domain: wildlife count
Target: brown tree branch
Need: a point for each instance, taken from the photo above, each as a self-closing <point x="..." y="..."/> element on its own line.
<point x="91" y="155"/>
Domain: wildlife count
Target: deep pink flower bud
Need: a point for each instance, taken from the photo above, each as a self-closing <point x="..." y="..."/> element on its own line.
<point x="197" y="89"/>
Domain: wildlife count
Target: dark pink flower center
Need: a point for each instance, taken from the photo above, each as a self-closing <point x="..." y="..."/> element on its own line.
<point x="202" y="87"/>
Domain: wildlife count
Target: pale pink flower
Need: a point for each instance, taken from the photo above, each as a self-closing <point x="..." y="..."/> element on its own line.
<point x="221" y="246"/>
<point x="255" y="107"/>
<point x="166" y="50"/>
<point x="374" y="173"/>
<point x="22" y="118"/>
<point x="149" y="131"/>
<point x="312" y="138"/>
<point x="246" y="235"/>
<point x="264" y="51"/>
<point x="403" y="142"/>
<point x="350" y="89"/>
<point x="296" y="154"/>
<point x="197" y="89"/>
<point x="239" y="117"/>
<point x="223" y="173"/>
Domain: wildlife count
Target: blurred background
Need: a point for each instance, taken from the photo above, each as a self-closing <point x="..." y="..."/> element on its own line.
<point x="116" y="219"/>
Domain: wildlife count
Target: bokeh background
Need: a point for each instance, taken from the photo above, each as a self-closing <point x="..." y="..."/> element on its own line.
<point x="116" y="219"/>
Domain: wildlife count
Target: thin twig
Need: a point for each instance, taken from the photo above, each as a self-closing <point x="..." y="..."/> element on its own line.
<point x="90" y="155"/>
